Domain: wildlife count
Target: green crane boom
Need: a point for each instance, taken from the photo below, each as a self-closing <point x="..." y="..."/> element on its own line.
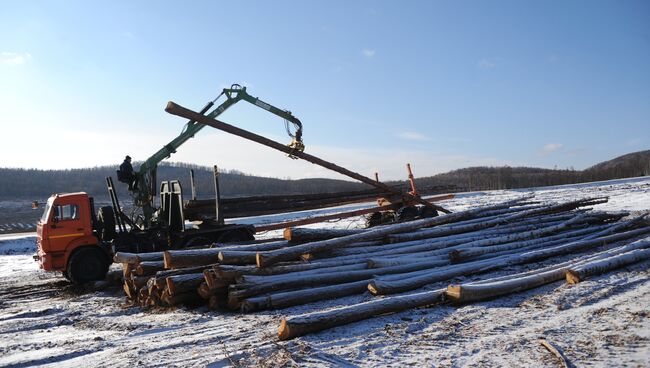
<point x="145" y="190"/>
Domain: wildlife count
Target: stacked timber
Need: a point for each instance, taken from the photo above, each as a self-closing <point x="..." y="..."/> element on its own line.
<point x="263" y="205"/>
<point x="410" y="257"/>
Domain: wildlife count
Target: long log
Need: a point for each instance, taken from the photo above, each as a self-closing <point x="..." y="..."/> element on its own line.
<point x="577" y="274"/>
<point x="304" y="296"/>
<point x="337" y="216"/>
<point x="301" y="325"/>
<point x="265" y="259"/>
<point x="133" y="258"/>
<point x="178" y="110"/>
<point x="499" y="220"/>
<point x="249" y="287"/>
<point x="460" y="255"/>
<point x="598" y="263"/>
<point x="299" y="235"/>
<point x="408" y="282"/>
<point x="190" y="258"/>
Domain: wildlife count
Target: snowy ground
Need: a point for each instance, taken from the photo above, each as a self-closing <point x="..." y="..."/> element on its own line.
<point x="604" y="321"/>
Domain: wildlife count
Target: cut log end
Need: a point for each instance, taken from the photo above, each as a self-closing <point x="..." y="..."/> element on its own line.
<point x="287" y="233"/>
<point x="234" y="303"/>
<point x="453" y="293"/>
<point x="373" y="288"/>
<point x="259" y="260"/>
<point x="572" y="277"/>
<point x="284" y="333"/>
<point x="170" y="285"/>
<point x="167" y="259"/>
<point x="307" y="257"/>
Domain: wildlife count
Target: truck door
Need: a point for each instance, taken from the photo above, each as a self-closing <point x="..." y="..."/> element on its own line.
<point x="66" y="225"/>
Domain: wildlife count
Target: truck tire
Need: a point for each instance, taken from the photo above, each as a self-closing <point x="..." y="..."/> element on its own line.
<point x="106" y="220"/>
<point x="87" y="264"/>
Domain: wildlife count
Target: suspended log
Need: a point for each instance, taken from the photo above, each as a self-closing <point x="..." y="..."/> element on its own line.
<point x="178" y="110"/>
<point x="577" y="274"/>
<point x="265" y="259"/>
<point x="293" y="327"/>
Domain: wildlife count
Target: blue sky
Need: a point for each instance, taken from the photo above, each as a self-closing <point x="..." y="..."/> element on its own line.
<point x="442" y="85"/>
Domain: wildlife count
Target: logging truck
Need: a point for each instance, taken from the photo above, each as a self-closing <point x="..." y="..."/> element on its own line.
<point x="74" y="240"/>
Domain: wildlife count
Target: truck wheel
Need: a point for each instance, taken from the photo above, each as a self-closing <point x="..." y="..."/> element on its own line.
<point x="235" y="236"/>
<point x="106" y="219"/>
<point x="87" y="264"/>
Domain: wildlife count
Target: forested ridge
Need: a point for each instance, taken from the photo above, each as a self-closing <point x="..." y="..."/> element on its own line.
<point x="32" y="183"/>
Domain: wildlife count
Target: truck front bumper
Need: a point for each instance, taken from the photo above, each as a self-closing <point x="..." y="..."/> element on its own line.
<point x="50" y="261"/>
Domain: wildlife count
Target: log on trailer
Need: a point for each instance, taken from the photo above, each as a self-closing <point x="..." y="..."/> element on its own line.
<point x="178" y="110"/>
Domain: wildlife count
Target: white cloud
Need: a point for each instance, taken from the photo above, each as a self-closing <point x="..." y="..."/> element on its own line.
<point x="14" y="58"/>
<point x="369" y="53"/>
<point x="413" y="136"/>
<point x="487" y="63"/>
<point x="550" y="148"/>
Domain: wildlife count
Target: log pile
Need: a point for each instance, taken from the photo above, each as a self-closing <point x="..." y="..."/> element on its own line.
<point x="319" y="264"/>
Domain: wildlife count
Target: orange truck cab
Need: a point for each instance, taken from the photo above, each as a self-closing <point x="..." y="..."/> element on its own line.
<point x="67" y="240"/>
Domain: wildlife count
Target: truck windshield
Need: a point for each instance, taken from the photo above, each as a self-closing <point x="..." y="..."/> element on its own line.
<point x="46" y="213"/>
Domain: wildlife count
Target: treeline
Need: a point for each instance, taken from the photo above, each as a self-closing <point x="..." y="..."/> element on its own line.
<point x="488" y="178"/>
<point x="39" y="184"/>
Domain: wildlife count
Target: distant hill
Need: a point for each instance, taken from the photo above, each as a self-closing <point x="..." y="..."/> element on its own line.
<point x="630" y="165"/>
<point x="39" y="184"/>
<point x="487" y="178"/>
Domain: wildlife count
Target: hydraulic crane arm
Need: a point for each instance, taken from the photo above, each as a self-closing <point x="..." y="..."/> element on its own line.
<point x="145" y="190"/>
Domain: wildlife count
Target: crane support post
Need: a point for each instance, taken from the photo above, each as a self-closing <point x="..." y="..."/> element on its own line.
<point x="181" y="111"/>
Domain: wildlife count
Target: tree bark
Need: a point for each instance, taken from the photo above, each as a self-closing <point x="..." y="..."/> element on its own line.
<point x="579" y="273"/>
<point x="265" y="259"/>
<point x="133" y="258"/>
<point x="184" y="283"/>
<point x="175" y="259"/>
<point x="298" y="235"/>
<point x="301" y="325"/>
<point x="149" y="268"/>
